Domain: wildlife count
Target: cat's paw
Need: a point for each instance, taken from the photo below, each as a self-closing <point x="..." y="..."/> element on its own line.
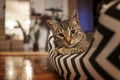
<point x="55" y="51"/>
<point x="63" y="51"/>
<point x="80" y="51"/>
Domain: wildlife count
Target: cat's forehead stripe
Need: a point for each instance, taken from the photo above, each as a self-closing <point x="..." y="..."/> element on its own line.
<point x="65" y="25"/>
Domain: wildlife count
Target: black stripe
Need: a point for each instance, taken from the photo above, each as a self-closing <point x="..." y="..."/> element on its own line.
<point x="77" y="77"/>
<point x="49" y="43"/>
<point x="66" y="66"/>
<point x="50" y="46"/>
<point x="113" y="12"/>
<point x="114" y="57"/>
<point x="55" y="60"/>
<point x="52" y="56"/>
<point x="107" y="36"/>
<point x="83" y="65"/>
<point x="64" y="24"/>
<point x="59" y="64"/>
<point x="89" y="77"/>
<point x="50" y="37"/>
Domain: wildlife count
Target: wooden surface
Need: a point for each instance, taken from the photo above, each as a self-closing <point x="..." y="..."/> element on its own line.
<point x="22" y="53"/>
<point x="26" y="67"/>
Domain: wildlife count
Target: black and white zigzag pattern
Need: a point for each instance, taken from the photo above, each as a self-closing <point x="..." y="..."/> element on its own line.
<point x="102" y="60"/>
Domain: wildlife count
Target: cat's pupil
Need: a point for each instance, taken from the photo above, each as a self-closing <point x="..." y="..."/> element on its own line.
<point x="72" y="31"/>
<point x="61" y="35"/>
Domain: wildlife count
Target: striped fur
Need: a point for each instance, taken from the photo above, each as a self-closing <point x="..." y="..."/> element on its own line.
<point x="68" y="36"/>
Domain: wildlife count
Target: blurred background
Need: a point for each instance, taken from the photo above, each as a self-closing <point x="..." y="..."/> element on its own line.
<point x="22" y="22"/>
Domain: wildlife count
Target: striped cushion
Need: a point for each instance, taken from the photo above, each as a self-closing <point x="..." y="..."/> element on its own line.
<point x="102" y="60"/>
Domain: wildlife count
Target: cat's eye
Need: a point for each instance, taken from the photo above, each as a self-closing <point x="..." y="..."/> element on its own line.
<point x="73" y="31"/>
<point x="61" y="34"/>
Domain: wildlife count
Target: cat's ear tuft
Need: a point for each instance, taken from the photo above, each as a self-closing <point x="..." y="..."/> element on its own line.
<point x="74" y="17"/>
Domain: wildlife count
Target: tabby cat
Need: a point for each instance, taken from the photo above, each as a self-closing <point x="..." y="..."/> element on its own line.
<point x="68" y="36"/>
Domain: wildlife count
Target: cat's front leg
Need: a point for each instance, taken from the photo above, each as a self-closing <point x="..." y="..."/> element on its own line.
<point x="62" y="51"/>
<point x="55" y="51"/>
<point x="65" y="51"/>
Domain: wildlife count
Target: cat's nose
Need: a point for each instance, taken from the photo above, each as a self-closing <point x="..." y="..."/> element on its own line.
<point x="68" y="39"/>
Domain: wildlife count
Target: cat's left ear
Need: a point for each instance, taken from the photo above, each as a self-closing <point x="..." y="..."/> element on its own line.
<point x="74" y="17"/>
<point x="51" y="24"/>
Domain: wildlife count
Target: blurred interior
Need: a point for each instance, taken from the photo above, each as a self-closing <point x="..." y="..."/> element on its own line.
<point x="22" y="22"/>
<point x="24" y="34"/>
<point x="24" y="39"/>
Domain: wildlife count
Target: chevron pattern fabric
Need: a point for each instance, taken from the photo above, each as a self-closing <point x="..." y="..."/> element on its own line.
<point x="102" y="60"/>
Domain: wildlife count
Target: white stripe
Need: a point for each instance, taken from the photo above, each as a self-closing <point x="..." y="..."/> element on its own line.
<point x="70" y="66"/>
<point x="105" y="64"/>
<point x="52" y="55"/>
<point x="63" y="66"/>
<point x="110" y="22"/>
<point x="80" y="70"/>
<point x="88" y="65"/>
<point x="102" y="58"/>
<point x="51" y="41"/>
<point x="57" y="58"/>
<point x="53" y="60"/>
<point x="105" y="7"/>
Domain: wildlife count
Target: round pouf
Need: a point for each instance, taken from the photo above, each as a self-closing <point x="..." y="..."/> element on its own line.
<point x="102" y="60"/>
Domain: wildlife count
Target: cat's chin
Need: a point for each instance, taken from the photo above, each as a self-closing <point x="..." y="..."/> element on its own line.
<point x="70" y="46"/>
<point x="73" y="44"/>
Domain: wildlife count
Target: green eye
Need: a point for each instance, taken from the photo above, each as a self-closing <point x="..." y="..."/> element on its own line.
<point x="61" y="34"/>
<point x="73" y="31"/>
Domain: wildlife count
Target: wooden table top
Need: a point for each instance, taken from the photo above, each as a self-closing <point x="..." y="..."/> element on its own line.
<point x="20" y="53"/>
<point x="26" y="67"/>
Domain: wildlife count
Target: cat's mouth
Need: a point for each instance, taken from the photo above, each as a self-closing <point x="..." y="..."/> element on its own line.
<point x="74" y="43"/>
<point x="70" y="46"/>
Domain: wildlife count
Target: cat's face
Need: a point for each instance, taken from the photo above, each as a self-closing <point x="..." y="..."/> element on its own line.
<point x="67" y="33"/>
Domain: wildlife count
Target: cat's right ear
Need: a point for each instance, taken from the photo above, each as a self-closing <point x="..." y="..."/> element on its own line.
<point x="51" y="24"/>
<point x="74" y="17"/>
